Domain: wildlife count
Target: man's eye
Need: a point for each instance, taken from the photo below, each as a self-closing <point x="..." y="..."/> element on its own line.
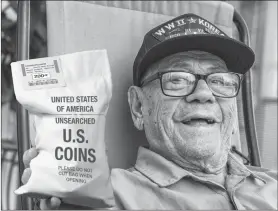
<point x="173" y="85"/>
<point x="177" y="83"/>
<point x="177" y="80"/>
<point x="217" y="82"/>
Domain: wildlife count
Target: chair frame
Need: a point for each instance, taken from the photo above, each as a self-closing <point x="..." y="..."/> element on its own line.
<point x="23" y="43"/>
<point x="248" y="109"/>
<point x="8" y="148"/>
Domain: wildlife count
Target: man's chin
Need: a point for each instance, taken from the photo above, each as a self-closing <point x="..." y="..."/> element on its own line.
<point x="205" y="160"/>
<point x="203" y="152"/>
<point x="200" y="146"/>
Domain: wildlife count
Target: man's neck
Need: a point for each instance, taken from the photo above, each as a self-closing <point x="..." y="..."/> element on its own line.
<point x="216" y="175"/>
<point x="218" y="178"/>
<point x="213" y="169"/>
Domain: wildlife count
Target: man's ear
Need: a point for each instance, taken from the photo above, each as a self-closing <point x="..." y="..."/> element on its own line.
<point x="135" y="101"/>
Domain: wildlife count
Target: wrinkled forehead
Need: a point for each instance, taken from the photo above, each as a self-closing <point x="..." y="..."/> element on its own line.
<point x="189" y="61"/>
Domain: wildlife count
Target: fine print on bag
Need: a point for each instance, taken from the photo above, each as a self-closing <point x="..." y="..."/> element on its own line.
<point x="67" y="97"/>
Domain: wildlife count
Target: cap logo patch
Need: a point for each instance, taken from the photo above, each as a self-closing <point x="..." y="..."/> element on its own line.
<point x="187" y="25"/>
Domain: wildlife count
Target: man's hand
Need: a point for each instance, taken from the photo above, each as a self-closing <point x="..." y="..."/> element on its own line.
<point x="51" y="203"/>
<point x="45" y="204"/>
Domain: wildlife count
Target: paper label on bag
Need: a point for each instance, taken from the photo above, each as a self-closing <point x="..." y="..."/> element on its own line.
<point x="42" y="73"/>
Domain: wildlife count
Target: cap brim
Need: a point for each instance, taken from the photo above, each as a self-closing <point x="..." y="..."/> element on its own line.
<point x="238" y="57"/>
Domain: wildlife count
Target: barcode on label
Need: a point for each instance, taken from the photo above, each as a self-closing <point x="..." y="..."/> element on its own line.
<point x="37" y="83"/>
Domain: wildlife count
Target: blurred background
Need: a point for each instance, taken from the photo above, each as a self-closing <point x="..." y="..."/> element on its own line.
<point x="261" y="17"/>
<point x="38" y="48"/>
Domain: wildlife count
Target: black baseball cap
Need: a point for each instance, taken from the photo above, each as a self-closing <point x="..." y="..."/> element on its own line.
<point x="191" y="32"/>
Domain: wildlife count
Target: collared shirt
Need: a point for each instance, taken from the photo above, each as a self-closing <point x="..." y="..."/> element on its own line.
<point x="155" y="183"/>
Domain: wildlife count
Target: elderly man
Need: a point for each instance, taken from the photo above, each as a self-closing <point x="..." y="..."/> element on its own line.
<point x="186" y="77"/>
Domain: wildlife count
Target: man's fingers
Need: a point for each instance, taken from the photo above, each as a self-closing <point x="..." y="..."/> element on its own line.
<point x="43" y="205"/>
<point x="50" y="204"/>
<point x="55" y="202"/>
<point x="26" y="175"/>
<point x="29" y="155"/>
<point x="26" y="159"/>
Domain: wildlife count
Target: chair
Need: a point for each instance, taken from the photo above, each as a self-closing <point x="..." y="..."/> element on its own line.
<point x="9" y="163"/>
<point x="69" y="32"/>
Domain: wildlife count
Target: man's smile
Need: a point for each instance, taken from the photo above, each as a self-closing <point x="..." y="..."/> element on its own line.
<point x="199" y="119"/>
<point x="199" y="122"/>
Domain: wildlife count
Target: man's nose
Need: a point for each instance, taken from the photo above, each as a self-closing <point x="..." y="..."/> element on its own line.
<point x="202" y="93"/>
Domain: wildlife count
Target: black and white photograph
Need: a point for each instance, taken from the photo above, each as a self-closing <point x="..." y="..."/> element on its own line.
<point x="138" y="105"/>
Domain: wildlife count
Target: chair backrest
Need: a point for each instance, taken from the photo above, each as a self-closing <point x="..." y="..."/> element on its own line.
<point x="120" y="27"/>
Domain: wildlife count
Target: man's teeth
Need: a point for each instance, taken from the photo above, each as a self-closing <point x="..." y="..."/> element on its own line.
<point x="209" y="121"/>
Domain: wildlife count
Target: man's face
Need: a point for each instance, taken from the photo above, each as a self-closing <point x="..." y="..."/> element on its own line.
<point x="180" y="128"/>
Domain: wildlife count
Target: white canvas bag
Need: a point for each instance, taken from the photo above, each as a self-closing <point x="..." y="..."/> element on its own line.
<point x="67" y="97"/>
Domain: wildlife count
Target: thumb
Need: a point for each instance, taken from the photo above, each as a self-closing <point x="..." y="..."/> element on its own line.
<point x="55" y="202"/>
<point x="50" y="203"/>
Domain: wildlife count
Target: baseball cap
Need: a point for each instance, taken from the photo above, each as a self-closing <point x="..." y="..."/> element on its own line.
<point x="190" y="32"/>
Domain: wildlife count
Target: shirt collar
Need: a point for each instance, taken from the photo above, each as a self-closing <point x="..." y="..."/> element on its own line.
<point x="236" y="167"/>
<point x="164" y="172"/>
